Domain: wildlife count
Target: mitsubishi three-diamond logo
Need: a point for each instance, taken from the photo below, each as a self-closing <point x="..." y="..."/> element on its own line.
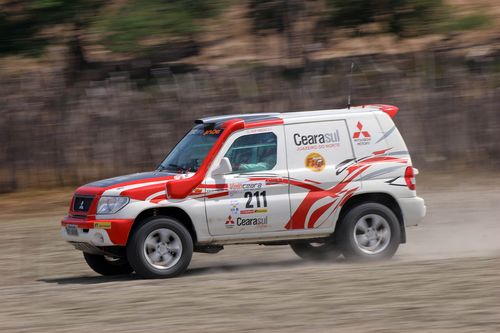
<point x="361" y="137"/>
<point x="229" y="222"/>
<point x="358" y="133"/>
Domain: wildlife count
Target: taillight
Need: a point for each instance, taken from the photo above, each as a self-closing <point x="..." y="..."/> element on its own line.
<point x="410" y="178"/>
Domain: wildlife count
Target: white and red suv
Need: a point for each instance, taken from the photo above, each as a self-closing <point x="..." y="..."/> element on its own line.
<point x="324" y="182"/>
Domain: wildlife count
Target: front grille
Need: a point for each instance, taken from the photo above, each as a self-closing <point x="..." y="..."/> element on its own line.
<point x="82" y="203"/>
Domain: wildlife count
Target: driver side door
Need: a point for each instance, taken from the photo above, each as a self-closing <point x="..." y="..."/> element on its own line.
<point x="250" y="198"/>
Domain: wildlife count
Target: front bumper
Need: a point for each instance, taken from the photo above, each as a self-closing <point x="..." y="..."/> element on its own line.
<point x="413" y="210"/>
<point x="109" y="232"/>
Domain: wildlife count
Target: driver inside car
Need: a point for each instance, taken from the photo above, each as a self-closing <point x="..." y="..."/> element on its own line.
<point x="266" y="161"/>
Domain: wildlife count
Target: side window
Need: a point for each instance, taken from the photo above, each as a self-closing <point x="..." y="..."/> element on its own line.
<point x="253" y="152"/>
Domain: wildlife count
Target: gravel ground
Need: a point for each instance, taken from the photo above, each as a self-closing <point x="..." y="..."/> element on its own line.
<point x="445" y="279"/>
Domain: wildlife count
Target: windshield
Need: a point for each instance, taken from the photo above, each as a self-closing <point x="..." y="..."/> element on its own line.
<point x="190" y="152"/>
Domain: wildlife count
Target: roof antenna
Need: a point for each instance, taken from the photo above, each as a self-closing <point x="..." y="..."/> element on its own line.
<point x="350" y="87"/>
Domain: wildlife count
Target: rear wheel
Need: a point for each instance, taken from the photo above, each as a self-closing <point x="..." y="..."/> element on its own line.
<point x="369" y="231"/>
<point x="315" y="251"/>
<point x="105" y="265"/>
<point x="160" y="248"/>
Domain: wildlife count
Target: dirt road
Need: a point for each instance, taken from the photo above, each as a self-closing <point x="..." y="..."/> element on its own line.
<point x="446" y="279"/>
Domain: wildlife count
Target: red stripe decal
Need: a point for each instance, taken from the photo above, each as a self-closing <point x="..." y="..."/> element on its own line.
<point x="262" y="123"/>
<point x="158" y="198"/>
<point x="317" y="214"/>
<point x="216" y="195"/>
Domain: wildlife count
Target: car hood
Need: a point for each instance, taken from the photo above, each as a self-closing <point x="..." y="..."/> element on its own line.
<point x="132" y="179"/>
<point x="136" y="186"/>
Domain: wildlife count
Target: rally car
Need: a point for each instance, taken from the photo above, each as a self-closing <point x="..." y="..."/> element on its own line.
<point x="326" y="183"/>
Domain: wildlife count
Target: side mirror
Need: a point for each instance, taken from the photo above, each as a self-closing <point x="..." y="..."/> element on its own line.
<point x="223" y="168"/>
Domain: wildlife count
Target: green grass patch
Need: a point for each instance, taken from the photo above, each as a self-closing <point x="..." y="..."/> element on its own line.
<point x="467" y="22"/>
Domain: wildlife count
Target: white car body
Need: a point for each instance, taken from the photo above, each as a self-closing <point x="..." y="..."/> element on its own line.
<point x="324" y="159"/>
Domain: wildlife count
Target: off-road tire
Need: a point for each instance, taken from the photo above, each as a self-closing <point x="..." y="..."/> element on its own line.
<point x="345" y="235"/>
<point x="137" y="248"/>
<point x="106" y="265"/>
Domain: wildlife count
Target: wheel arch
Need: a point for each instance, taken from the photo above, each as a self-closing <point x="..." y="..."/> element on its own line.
<point x="174" y="212"/>
<point x="378" y="197"/>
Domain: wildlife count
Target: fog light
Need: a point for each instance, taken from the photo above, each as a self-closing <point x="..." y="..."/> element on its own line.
<point x="98" y="238"/>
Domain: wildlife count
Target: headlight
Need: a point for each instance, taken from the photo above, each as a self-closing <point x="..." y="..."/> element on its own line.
<point x="110" y="205"/>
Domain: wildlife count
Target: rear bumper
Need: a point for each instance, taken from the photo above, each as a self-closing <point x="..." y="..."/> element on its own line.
<point x="413" y="210"/>
<point x="110" y="232"/>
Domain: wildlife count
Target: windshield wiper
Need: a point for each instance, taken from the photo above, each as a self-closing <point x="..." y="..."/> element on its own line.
<point x="177" y="168"/>
<point x="161" y="168"/>
<point x="171" y="168"/>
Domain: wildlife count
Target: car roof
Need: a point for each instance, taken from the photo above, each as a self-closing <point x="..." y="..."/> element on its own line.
<point x="329" y="112"/>
<point x="252" y="117"/>
<point x="291" y="117"/>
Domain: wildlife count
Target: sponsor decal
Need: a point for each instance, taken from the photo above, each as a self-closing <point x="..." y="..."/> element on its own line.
<point x="317" y="141"/>
<point x="305" y="217"/>
<point x="256" y="221"/>
<point x="243" y="221"/>
<point x="250" y="196"/>
<point x="248" y="186"/>
<point x="253" y="211"/>
<point x="361" y="137"/>
<point x="229" y="222"/>
<point x="234" y="207"/>
<point x="102" y="225"/>
<point x="315" y="162"/>
<point x="212" y="132"/>
<point x="259" y="130"/>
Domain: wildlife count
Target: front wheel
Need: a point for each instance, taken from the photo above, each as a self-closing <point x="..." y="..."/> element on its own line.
<point x="160" y="248"/>
<point x="105" y="265"/>
<point x="369" y="232"/>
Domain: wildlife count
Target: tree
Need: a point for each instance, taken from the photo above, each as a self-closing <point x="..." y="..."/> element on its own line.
<point x="23" y="23"/>
<point x="281" y="16"/>
<point x="138" y="24"/>
<point x="401" y="17"/>
<point x="123" y="26"/>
